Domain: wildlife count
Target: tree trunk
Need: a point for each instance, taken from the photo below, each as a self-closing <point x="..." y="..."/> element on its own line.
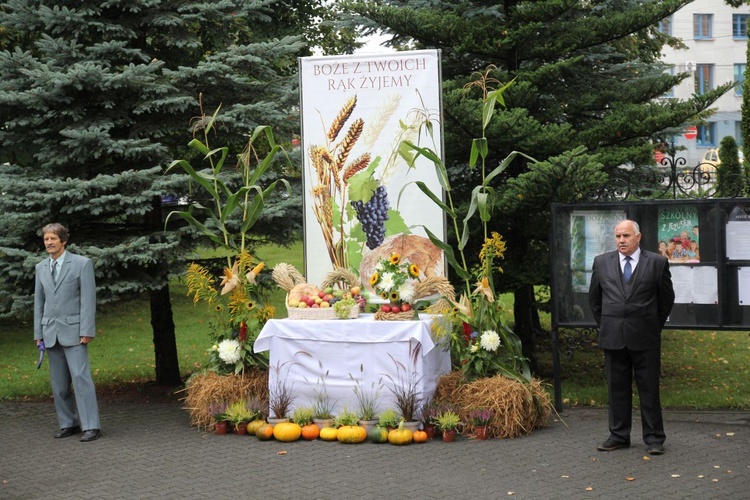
<point x="527" y="322"/>
<point x="165" y="344"/>
<point x="162" y="323"/>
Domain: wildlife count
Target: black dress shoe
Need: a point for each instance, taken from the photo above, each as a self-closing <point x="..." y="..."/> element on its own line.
<point x="610" y="445"/>
<point x="655" y="449"/>
<point x="91" y="435"/>
<point x="68" y="431"/>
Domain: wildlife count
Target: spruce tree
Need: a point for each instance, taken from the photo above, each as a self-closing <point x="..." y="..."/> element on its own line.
<point x="96" y="99"/>
<point x="584" y="101"/>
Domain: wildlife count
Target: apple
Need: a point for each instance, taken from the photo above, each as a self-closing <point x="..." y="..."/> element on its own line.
<point x="355" y="290"/>
<point x="321" y="294"/>
<point x="304" y="298"/>
<point x="328" y="289"/>
<point x="323" y="305"/>
<point x="318" y="300"/>
<point x="385" y="308"/>
<point x="405" y="307"/>
<point x="310" y="302"/>
<point x="315" y="305"/>
<point x="328" y="297"/>
<point x="338" y="293"/>
<point x="302" y="305"/>
<point x="395" y="309"/>
<point x="294" y="303"/>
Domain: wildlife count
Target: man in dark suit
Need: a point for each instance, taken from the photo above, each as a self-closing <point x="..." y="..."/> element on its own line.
<point x="631" y="296"/>
<point x="64" y="318"/>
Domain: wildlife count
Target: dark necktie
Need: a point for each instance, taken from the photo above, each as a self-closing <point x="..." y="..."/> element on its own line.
<point x="54" y="272"/>
<point x="628" y="271"/>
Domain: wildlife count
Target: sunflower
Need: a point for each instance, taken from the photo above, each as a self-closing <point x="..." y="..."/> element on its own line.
<point x="395" y="259"/>
<point x="249" y="305"/>
<point x="374" y="279"/>
<point x="394" y="297"/>
<point x="414" y="270"/>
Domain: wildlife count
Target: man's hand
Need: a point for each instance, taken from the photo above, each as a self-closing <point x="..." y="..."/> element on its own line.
<point x="86" y="340"/>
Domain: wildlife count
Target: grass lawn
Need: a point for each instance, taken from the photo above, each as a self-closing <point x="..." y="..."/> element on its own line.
<point x="701" y="369"/>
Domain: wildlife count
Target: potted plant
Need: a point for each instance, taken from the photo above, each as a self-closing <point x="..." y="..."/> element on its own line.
<point x="429" y="413"/>
<point x="321" y="402"/>
<point x="368" y="401"/>
<point x="407" y="398"/>
<point x="480" y="418"/>
<point x="388" y="418"/>
<point x="281" y="395"/>
<point x="348" y="429"/>
<point x="218" y="413"/>
<point x="239" y="415"/>
<point x="447" y="422"/>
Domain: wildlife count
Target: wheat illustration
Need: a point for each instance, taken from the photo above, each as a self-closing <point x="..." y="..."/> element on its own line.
<point x="384" y="113"/>
<point x="331" y="172"/>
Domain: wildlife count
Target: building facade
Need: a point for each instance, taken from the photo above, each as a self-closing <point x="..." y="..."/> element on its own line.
<point x="716" y="38"/>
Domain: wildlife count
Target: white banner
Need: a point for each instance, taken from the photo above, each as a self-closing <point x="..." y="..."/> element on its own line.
<point x="356" y="112"/>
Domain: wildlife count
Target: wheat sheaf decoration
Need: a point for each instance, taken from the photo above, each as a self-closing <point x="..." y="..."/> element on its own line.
<point x="286" y="276"/>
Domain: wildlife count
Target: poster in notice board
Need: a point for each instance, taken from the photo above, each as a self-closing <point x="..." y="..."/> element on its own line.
<point x="679" y="234"/>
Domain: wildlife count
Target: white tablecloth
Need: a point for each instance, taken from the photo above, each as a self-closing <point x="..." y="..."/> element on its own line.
<point x="302" y="351"/>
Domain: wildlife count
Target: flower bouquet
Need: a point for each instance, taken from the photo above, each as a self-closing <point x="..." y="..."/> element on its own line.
<point x="395" y="280"/>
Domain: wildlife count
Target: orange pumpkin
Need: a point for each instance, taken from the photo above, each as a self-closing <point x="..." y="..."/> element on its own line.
<point x="252" y="427"/>
<point x="287" y="432"/>
<point x="329" y="434"/>
<point x="310" y="432"/>
<point x="265" y="432"/>
<point x="419" y="436"/>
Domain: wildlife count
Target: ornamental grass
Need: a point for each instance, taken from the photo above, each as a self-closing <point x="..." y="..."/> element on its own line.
<point x="518" y="407"/>
<point x="208" y="388"/>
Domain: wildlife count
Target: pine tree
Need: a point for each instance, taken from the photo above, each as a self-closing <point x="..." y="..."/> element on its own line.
<point x="96" y="99"/>
<point x="584" y="100"/>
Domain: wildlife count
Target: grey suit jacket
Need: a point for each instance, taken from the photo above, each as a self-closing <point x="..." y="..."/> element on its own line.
<point x="632" y="316"/>
<point x="66" y="311"/>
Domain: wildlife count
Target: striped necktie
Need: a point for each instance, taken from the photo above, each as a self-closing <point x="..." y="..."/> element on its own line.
<point x="54" y="272"/>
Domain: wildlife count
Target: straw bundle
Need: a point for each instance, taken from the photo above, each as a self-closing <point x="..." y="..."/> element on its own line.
<point x="340" y="276"/>
<point x="286" y="276"/>
<point x="519" y="408"/>
<point x="206" y="388"/>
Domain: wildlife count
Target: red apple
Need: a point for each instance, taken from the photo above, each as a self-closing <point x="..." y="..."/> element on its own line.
<point x="321" y="294"/>
<point x="304" y="298"/>
<point x="315" y="305"/>
<point x="310" y="302"/>
<point x="405" y="307"/>
<point x="385" y="308"/>
<point x="395" y="309"/>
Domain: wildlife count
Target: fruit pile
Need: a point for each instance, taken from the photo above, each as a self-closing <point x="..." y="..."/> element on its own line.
<point x="324" y="298"/>
<point x="395" y="308"/>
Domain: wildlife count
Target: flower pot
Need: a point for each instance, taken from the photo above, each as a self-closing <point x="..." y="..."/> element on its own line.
<point x="368" y="424"/>
<point x="241" y="428"/>
<point x="221" y="427"/>
<point x="274" y="421"/>
<point x="449" y="435"/>
<point x="412" y="425"/>
<point x="430" y="430"/>
<point x="481" y="432"/>
<point x="322" y="423"/>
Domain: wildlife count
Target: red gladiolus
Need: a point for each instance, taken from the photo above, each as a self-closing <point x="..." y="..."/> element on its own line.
<point x="467" y="331"/>
<point x="243" y="331"/>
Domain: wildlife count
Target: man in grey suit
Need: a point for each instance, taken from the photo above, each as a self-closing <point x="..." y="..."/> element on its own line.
<point x="64" y="319"/>
<point x="631" y="296"/>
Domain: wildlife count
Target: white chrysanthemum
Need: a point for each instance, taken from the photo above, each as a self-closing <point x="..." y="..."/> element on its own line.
<point x="473" y="348"/>
<point x="406" y="292"/>
<point x="386" y="281"/>
<point x="379" y="266"/>
<point x="229" y="351"/>
<point x="490" y="340"/>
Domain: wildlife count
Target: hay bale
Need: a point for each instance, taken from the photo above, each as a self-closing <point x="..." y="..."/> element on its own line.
<point x="207" y="388"/>
<point x="519" y="408"/>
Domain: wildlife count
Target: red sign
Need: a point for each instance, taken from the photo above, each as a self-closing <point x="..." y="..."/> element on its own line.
<point x="691" y="132"/>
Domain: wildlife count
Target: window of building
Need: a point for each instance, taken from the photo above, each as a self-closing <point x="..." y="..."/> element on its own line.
<point x="704" y="78"/>
<point x="706" y="135"/>
<point x="739" y="26"/>
<point x="703" y="25"/>
<point x="670" y="92"/>
<point x="665" y="25"/>
<point x="739" y="78"/>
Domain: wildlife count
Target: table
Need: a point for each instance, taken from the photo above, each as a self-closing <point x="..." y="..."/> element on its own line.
<point x="362" y="350"/>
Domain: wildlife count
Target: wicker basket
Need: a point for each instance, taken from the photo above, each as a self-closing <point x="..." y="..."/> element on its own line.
<point x="400" y="316"/>
<point x="319" y="312"/>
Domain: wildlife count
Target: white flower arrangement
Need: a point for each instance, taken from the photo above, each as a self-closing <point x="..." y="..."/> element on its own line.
<point x="229" y="351"/>
<point x="489" y="340"/>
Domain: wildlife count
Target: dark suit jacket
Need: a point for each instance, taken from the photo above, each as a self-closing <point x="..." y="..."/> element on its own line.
<point x="631" y="317"/>
<point x="65" y="312"/>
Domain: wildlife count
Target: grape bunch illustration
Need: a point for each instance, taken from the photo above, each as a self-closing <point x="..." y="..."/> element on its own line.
<point x="372" y="215"/>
